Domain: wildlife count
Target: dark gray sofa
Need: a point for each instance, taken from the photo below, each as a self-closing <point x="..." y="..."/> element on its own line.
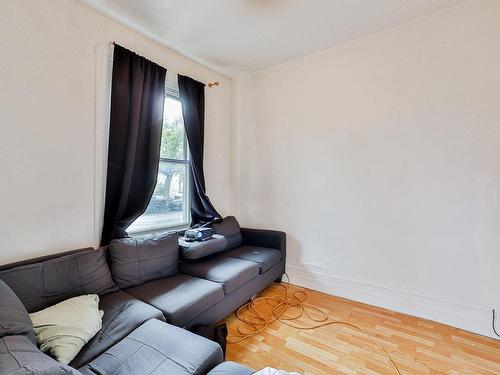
<point x="146" y="326"/>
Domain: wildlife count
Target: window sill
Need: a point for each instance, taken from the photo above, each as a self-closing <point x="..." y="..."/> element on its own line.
<point x="159" y="229"/>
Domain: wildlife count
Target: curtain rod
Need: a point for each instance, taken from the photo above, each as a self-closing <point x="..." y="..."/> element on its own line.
<point x="210" y="84"/>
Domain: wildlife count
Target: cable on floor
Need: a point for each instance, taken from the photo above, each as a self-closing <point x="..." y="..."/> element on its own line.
<point x="493" y="324"/>
<point x="255" y="322"/>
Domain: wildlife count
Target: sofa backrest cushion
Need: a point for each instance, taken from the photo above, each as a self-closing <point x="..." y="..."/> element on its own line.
<point x="19" y="356"/>
<point x="43" y="284"/>
<point x="14" y="319"/>
<point x="229" y="228"/>
<point x="136" y="260"/>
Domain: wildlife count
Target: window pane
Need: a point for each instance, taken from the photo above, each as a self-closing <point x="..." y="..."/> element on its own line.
<point x="172" y="139"/>
<point x="168" y="204"/>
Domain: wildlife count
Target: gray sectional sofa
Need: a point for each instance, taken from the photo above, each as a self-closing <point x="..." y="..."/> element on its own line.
<point x="154" y="302"/>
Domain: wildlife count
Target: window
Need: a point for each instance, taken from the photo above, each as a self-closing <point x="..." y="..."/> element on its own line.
<point x="169" y="205"/>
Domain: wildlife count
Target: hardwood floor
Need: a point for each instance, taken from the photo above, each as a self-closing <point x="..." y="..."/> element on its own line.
<point x="417" y="346"/>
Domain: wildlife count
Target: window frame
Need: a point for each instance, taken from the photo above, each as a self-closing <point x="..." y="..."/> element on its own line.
<point x="172" y="92"/>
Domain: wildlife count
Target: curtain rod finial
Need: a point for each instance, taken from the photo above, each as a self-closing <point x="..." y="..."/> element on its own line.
<point x="213" y="84"/>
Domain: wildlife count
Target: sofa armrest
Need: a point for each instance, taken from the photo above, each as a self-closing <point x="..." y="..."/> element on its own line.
<point x="266" y="238"/>
<point x="231" y="368"/>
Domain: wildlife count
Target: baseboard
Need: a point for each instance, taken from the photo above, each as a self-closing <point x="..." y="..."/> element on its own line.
<point x="468" y="318"/>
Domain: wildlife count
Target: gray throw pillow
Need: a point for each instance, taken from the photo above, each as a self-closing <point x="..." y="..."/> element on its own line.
<point x="229" y="228"/>
<point x="136" y="260"/>
<point x="14" y="319"/>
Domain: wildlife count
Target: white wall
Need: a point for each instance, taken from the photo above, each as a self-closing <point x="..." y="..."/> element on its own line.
<point x="54" y="69"/>
<point x="381" y="160"/>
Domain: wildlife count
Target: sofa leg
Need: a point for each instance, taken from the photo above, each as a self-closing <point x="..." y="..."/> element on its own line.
<point x="217" y="333"/>
<point x="220" y="335"/>
<point x="205" y="331"/>
<point x="279" y="279"/>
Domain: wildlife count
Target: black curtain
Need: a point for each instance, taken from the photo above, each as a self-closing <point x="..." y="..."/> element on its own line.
<point x="192" y="95"/>
<point x="137" y="97"/>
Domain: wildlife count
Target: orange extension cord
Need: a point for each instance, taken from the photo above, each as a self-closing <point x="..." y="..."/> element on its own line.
<point x="255" y="322"/>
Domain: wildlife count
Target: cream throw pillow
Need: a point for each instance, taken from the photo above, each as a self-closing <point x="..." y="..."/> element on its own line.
<point x="63" y="329"/>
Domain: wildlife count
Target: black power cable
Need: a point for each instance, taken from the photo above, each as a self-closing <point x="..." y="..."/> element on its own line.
<point x="493" y="324"/>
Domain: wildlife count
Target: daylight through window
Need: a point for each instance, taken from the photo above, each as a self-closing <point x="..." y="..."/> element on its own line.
<point x="169" y="204"/>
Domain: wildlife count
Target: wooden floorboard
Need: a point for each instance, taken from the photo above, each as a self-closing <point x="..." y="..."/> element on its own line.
<point x="418" y="346"/>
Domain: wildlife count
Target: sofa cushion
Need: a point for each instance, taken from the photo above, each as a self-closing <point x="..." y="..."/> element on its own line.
<point x="122" y="314"/>
<point x="43" y="284"/>
<point x="136" y="260"/>
<point x="18" y="355"/>
<point x="229" y="228"/>
<point x="230" y="272"/>
<point x="157" y="348"/>
<point x="231" y="368"/>
<point x="14" y="319"/>
<point x="264" y="256"/>
<point x="181" y="298"/>
<point x="200" y="249"/>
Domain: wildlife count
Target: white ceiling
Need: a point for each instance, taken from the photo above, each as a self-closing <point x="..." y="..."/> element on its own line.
<point x="235" y="37"/>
